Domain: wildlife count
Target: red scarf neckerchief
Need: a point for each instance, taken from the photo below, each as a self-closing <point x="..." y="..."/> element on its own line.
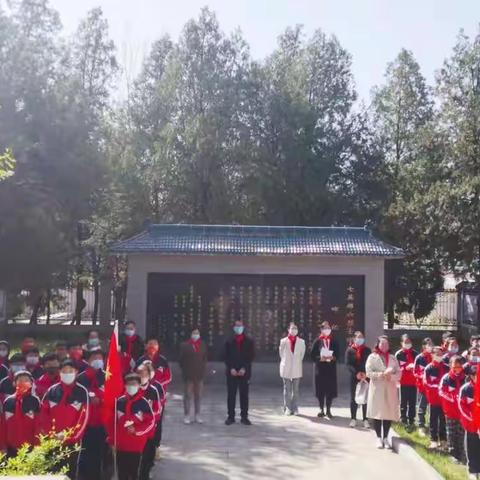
<point x="66" y="391"/>
<point x="408" y="352"/>
<point x="385" y="356"/>
<point x="195" y="344"/>
<point x="91" y="374"/>
<point x="239" y="340"/>
<point x="358" y="351"/>
<point x="129" y="344"/>
<point x="325" y="341"/>
<point x="131" y="400"/>
<point x="293" y="339"/>
<point x="458" y="379"/>
<point x="428" y="356"/>
<point x="19" y="401"/>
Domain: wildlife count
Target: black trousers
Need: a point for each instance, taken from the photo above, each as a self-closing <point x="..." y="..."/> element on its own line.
<point x="378" y="424"/>
<point x="437" y="424"/>
<point x="324" y="398"/>
<point x="148" y="459"/>
<point x="408" y="403"/>
<point x="353" y="403"/>
<point x="92" y="455"/>
<point x="472" y="447"/>
<point x="157" y="437"/>
<point x="234" y="384"/>
<point x="128" y="464"/>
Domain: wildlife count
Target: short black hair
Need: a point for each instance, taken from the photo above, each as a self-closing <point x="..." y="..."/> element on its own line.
<point x="91" y="331"/>
<point x="446" y="335"/>
<point x="74" y="343"/>
<point x="49" y="357"/>
<point x="17" y="358"/>
<point x="130" y="322"/>
<point x="90" y="353"/>
<point x="427" y="340"/>
<point x="60" y="343"/>
<point x="32" y="350"/>
<point x="404" y="337"/>
<point x="474" y="338"/>
<point x="68" y="363"/>
<point x="132" y="377"/>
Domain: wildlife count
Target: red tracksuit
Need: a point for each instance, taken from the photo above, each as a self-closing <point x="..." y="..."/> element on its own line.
<point x="20" y="420"/>
<point x="3" y="371"/>
<point x="466" y="399"/>
<point x="134" y="409"/>
<point x="432" y="377"/>
<point x="6" y="387"/>
<point x="406" y="357"/>
<point x="36" y="371"/>
<point x="163" y="373"/>
<point x="44" y="383"/>
<point x="66" y="407"/>
<point x="448" y="390"/>
<point x="93" y="381"/>
<point x="421" y="362"/>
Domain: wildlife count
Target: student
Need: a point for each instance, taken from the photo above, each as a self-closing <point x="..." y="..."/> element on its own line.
<point x="384" y="372"/>
<point x="32" y="362"/>
<point x="474" y="342"/>
<point x="472" y="359"/>
<point x="193" y="363"/>
<point x="75" y="353"/>
<point x="451" y="351"/>
<point x="4" y="354"/>
<point x="421" y="361"/>
<point x="408" y="389"/>
<point x="21" y="415"/>
<point x="163" y="373"/>
<point x="432" y="377"/>
<point x="291" y="351"/>
<point x="93" y="341"/>
<point x="466" y="399"/>
<point x="131" y="343"/>
<point x="238" y="354"/>
<point x="51" y="365"/>
<point x="93" y="443"/>
<point x="17" y="364"/>
<point x="61" y="350"/>
<point x="150" y="393"/>
<point x="134" y="422"/>
<point x="355" y="359"/>
<point x="27" y="344"/>
<point x="324" y="354"/>
<point x="449" y="390"/>
<point x="446" y="336"/>
<point x="65" y="411"/>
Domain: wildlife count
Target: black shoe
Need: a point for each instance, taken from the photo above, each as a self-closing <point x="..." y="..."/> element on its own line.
<point x="245" y="421"/>
<point x="229" y="421"/>
<point x="329" y="415"/>
<point x="321" y="414"/>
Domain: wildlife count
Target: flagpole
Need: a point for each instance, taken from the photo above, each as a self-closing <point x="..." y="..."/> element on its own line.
<point x="115" y="466"/>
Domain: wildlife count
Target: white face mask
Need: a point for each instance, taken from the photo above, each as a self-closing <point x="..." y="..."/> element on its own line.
<point x="407" y="346"/>
<point x="453" y="349"/>
<point x="32" y="360"/>
<point x="132" y="389"/>
<point x="429" y="348"/>
<point x="97" y="364"/>
<point x="67" y="378"/>
<point x="326" y="331"/>
<point x="437" y="358"/>
<point x="195" y="336"/>
<point x="293" y="332"/>
<point x="144" y="381"/>
<point x="17" y="368"/>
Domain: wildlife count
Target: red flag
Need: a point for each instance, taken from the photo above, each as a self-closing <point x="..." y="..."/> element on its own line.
<point x="113" y="379"/>
<point x="476" y="402"/>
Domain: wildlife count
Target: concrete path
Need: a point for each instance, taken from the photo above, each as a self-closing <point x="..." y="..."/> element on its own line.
<point x="275" y="446"/>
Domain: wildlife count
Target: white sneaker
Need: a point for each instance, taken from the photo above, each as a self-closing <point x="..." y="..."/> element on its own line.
<point x="198" y="419"/>
<point x="187" y="421"/>
<point x="366" y="424"/>
<point x="380" y="443"/>
<point x="387" y="443"/>
<point x="287" y="412"/>
<point x="433" y="445"/>
<point x="353" y="423"/>
<point x="158" y="454"/>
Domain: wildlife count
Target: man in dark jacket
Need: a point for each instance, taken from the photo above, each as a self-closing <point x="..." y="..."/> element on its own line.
<point x="239" y="354"/>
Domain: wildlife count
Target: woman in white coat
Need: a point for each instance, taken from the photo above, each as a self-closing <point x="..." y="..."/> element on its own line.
<point x="292" y="351"/>
<point x="383" y="405"/>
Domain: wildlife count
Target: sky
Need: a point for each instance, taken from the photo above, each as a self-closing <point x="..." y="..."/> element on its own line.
<point x="373" y="31"/>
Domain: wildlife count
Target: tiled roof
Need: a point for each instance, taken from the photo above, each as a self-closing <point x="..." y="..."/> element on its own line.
<point x="256" y="240"/>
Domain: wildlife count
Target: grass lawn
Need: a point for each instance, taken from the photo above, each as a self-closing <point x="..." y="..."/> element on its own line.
<point x="438" y="460"/>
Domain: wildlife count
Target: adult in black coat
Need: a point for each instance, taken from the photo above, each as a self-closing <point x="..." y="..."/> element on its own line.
<point x="355" y="359"/>
<point x="325" y="369"/>
<point x="238" y="355"/>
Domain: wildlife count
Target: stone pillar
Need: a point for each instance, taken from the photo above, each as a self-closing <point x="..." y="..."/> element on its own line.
<point x="137" y="293"/>
<point x="105" y="302"/>
<point x="374" y="301"/>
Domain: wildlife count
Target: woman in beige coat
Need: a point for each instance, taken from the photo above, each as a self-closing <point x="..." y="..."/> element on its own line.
<point x="383" y="408"/>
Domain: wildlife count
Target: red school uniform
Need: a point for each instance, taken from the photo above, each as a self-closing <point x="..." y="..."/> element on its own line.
<point x="432" y="376"/>
<point x="421" y="362"/>
<point x="94" y="381"/>
<point x="44" y="383"/>
<point x="448" y="390"/>
<point x="405" y="358"/>
<point x="465" y="405"/>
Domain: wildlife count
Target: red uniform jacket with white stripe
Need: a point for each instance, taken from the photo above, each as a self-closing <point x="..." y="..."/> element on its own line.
<point x="161" y="393"/>
<point x="465" y="405"/>
<point x="20" y="420"/>
<point x="449" y="389"/>
<point x="65" y="407"/>
<point x="3" y="371"/>
<point x="150" y="393"/>
<point x="94" y="381"/>
<point x="163" y="373"/>
<point x="44" y="383"/>
<point x="6" y="387"/>
<point x="134" y="411"/>
<point x="432" y="377"/>
<point x="421" y="362"/>
<point x="405" y="358"/>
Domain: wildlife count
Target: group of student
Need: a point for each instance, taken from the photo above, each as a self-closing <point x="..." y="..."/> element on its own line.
<point x="62" y="393"/>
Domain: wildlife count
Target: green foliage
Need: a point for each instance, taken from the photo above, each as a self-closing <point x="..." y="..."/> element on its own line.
<point x="47" y="458"/>
<point x="7" y="164"/>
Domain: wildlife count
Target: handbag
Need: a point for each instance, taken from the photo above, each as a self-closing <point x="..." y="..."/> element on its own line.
<point x="361" y="392"/>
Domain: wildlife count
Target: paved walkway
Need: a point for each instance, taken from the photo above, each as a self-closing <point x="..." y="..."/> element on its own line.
<point x="275" y="446"/>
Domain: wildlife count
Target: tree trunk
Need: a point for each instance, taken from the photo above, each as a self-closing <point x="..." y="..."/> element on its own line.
<point x="96" y="292"/>
<point x="49" y="296"/>
<point x="390" y="315"/>
<point x="35" y="310"/>
<point x="79" y="305"/>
